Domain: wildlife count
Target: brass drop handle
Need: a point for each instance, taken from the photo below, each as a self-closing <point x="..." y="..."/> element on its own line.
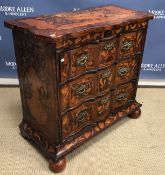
<point x="122" y="71"/>
<point x="81" y="89"/>
<point x="106" y="74"/>
<point x="81" y="116"/>
<point x="121" y="96"/>
<point x="126" y="45"/>
<point x="109" y="46"/>
<point x="82" y="59"/>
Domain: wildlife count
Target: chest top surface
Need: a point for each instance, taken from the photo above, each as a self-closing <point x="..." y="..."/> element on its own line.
<point x="61" y="24"/>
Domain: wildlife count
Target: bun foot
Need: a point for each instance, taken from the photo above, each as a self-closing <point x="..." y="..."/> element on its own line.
<point x="58" y="166"/>
<point x="135" y="114"/>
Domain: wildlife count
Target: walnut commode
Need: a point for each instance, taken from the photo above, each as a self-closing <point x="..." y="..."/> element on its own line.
<point x="78" y="74"/>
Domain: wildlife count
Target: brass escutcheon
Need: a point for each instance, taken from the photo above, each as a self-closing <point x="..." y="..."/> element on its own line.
<point x="82" y="59"/>
<point x="105" y="100"/>
<point x="122" y="71"/>
<point x="81" y="89"/>
<point x="121" y="96"/>
<point x="126" y="45"/>
<point x="106" y="74"/>
<point x="81" y="116"/>
<point x="109" y="46"/>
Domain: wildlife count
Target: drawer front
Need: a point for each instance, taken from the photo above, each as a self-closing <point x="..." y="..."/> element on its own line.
<point x="104" y="106"/>
<point x="124" y="94"/>
<point x="74" y="121"/>
<point x="86" y="114"/>
<point x="126" y="70"/>
<point x="106" y="78"/>
<point x="77" y="91"/>
<point x="127" y="45"/>
<point x="86" y="87"/>
<point x="108" y="51"/>
<point x="131" y="44"/>
<point x="93" y="56"/>
<point x="77" y="61"/>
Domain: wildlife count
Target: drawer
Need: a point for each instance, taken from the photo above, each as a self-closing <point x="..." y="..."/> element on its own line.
<point x="86" y="114"/>
<point x="108" y="52"/>
<point x="124" y="94"/>
<point x="77" y="61"/>
<point x="76" y="119"/>
<point x="77" y="91"/>
<point x="125" y="70"/>
<point x="87" y="86"/>
<point x="104" y="106"/>
<point x="131" y="44"/>
<point x="106" y="78"/>
<point x="127" y="45"/>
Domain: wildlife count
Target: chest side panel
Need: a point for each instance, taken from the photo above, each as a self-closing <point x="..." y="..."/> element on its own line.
<point x="36" y="77"/>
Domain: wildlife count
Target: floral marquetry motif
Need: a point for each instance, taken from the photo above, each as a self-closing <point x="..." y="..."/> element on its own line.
<point x="108" y="51"/>
<point x="34" y="79"/>
<point x="77" y="91"/>
<point x="76" y="61"/>
<point x="104" y="106"/>
<point x="127" y="45"/>
<point x="124" y="94"/>
<point x="106" y="77"/>
<point x="126" y="70"/>
<point x="81" y="117"/>
<point x="33" y="134"/>
<point x="75" y="120"/>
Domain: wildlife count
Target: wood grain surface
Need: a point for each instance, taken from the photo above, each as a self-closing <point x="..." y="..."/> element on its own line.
<point x="56" y="25"/>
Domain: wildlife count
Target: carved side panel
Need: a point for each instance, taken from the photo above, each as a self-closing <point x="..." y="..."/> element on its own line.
<point x="34" y="69"/>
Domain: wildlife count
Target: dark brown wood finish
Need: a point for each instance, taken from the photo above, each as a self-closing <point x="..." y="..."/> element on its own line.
<point x="78" y="74"/>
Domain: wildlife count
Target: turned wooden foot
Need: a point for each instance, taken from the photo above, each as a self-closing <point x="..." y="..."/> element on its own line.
<point x="57" y="166"/>
<point x="135" y="114"/>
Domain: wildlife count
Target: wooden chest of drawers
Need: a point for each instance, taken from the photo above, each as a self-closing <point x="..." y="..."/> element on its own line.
<point x="78" y="74"/>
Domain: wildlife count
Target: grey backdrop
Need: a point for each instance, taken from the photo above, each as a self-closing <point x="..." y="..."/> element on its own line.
<point x="153" y="66"/>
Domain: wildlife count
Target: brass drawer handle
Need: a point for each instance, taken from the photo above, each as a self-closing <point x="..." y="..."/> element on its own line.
<point x="81" y="116"/>
<point x="105" y="100"/>
<point x="126" y="45"/>
<point x="123" y="70"/>
<point x="106" y="74"/>
<point x="81" y="89"/>
<point x="109" y="46"/>
<point x="82" y="59"/>
<point x="121" y="96"/>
